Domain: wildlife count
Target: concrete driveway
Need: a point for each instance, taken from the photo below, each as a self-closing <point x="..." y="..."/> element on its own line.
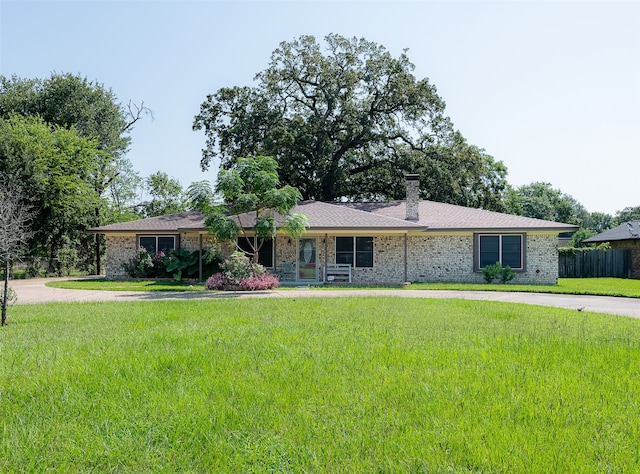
<point x="35" y="291"/>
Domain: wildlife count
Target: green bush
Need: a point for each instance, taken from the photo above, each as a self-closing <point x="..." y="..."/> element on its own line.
<point x="491" y="272"/>
<point x="140" y="266"/>
<point x="239" y="267"/>
<point x="507" y="274"/>
<point x="179" y="263"/>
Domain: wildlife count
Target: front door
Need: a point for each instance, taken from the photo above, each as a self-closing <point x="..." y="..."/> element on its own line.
<point x="307" y="259"/>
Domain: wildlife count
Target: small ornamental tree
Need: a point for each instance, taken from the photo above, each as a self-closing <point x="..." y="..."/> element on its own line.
<point x="252" y="186"/>
<point x="15" y="230"/>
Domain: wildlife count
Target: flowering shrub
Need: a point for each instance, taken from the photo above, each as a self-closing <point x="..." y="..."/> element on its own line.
<point x="266" y="281"/>
<point x="140" y="266"/>
<point x="239" y="273"/>
<point x="217" y="281"/>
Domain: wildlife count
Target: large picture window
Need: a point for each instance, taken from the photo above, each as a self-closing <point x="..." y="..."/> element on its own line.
<point x="265" y="253"/>
<point x="355" y="251"/>
<point x="156" y="243"/>
<point x="507" y="249"/>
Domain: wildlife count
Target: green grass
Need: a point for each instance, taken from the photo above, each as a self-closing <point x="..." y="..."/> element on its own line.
<point x="126" y="285"/>
<point x="369" y="384"/>
<point x="575" y="286"/>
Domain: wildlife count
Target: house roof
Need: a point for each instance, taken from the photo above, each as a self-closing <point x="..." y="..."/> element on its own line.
<point x="622" y="232"/>
<point x="438" y="216"/>
<point x="168" y="223"/>
<point x="380" y="216"/>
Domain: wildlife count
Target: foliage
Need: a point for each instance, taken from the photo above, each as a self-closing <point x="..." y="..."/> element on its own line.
<point x="178" y="263"/>
<point x="239" y="272"/>
<point x="393" y="385"/>
<point x="579" y="236"/>
<point x="491" y="272"/>
<point x="575" y="250"/>
<point x="252" y="186"/>
<point x="67" y="260"/>
<point x="166" y="195"/>
<point x="238" y="267"/>
<point x="541" y="201"/>
<point x="627" y="214"/>
<point x="507" y="274"/>
<point x="200" y="196"/>
<point x="51" y="168"/>
<point x="140" y="266"/>
<point x="93" y="113"/>
<point x="598" y="222"/>
<point x="266" y="281"/>
<point x="346" y="120"/>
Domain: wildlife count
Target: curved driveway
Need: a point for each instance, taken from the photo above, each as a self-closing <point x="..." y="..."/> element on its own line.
<point x="35" y="291"/>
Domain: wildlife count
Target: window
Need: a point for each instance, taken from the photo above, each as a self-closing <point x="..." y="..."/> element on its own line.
<point x="265" y="253"/>
<point x="155" y="243"/>
<point x="507" y="249"/>
<point x="355" y="251"/>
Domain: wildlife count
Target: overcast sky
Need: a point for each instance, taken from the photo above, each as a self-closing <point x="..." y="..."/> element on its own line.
<point x="550" y="88"/>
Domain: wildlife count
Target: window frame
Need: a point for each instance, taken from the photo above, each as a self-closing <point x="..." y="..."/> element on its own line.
<point x="260" y="254"/>
<point x="477" y="267"/>
<point x="355" y="252"/>
<point x="175" y="238"/>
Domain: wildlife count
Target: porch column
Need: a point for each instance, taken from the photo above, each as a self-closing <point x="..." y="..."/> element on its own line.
<point x="405" y="259"/>
<point x="200" y="259"/>
<point x="324" y="270"/>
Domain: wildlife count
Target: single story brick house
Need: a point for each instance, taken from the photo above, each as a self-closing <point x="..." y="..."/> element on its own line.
<point x="370" y="243"/>
<point x="624" y="237"/>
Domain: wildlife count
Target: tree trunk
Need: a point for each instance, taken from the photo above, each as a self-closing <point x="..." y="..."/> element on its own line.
<point x="5" y="294"/>
<point x="98" y="254"/>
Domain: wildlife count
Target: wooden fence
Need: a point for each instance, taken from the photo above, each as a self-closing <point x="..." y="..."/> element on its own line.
<point x="595" y="263"/>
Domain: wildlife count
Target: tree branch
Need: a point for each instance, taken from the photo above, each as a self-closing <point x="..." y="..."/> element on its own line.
<point x="135" y="113"/>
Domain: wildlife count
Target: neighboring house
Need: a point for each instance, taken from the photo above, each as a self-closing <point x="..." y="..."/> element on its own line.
<point x="370" y="243"/>
<point x="624" y="237"/>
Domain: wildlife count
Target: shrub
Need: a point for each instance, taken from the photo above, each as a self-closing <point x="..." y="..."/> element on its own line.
<point x="217" y="281"/>
<point x="266" y="281"/>
<point x="239" y="273"/>
<point x="507" y="274"/>
<point x="491" y="272"/>
<point x="140" y="266"/>
<point x="178" y="263"/>
<point x="238" y="267"/>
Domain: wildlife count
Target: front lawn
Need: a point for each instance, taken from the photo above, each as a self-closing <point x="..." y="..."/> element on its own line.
<point x="126" y="285"/>
<point x="361" y="384"/>
<point x="575" y="286"/>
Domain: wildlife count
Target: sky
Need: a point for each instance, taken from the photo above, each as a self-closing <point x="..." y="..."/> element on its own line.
<point x="550" y="88"/>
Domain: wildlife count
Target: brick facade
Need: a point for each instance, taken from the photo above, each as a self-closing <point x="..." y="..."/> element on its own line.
<point x="120" y="249"/>
<point x="430" y="257"/>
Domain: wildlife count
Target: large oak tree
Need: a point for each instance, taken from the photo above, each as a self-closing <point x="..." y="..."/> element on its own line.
<point x="346" y="120"/>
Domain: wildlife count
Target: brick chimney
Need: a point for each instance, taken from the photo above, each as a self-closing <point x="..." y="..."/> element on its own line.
<point x="412" y="182"/>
